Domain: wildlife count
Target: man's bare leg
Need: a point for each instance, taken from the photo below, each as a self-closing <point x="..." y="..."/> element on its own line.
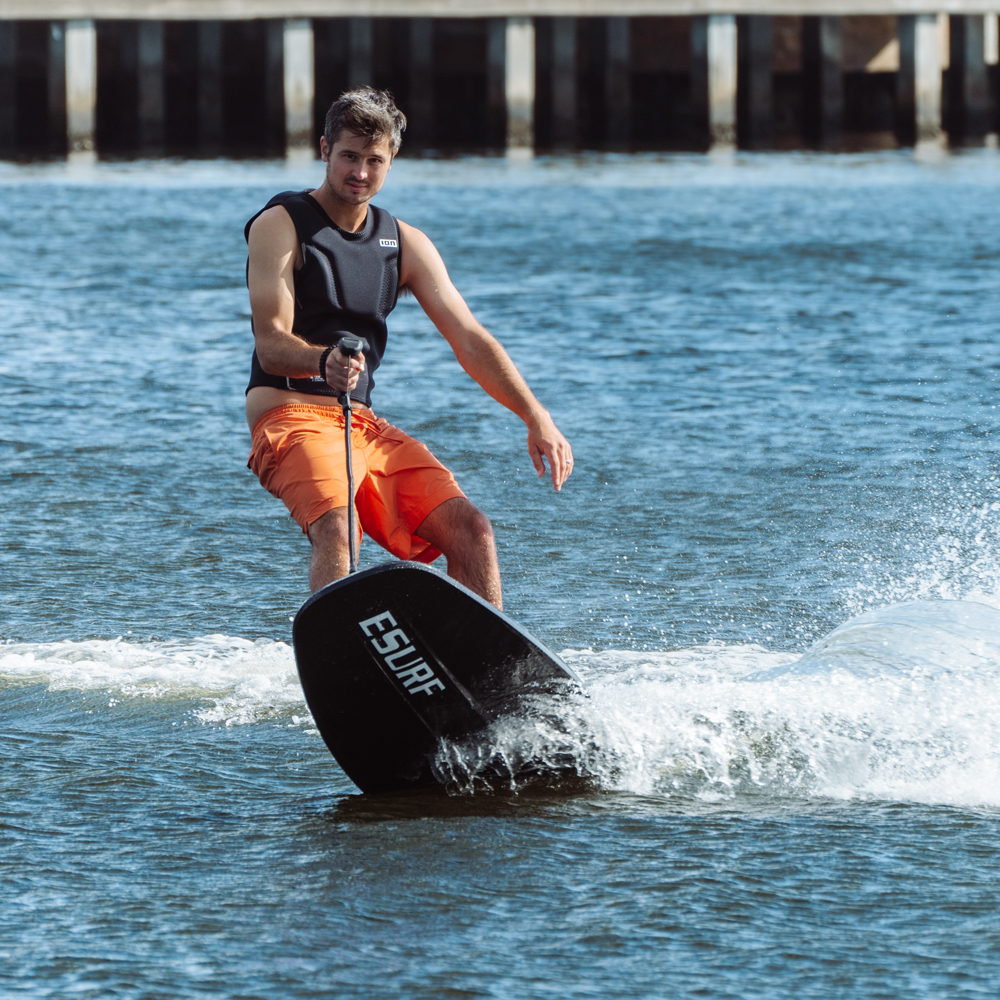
<point x="330" y="556"/>
<point x="462" y="532"/>
<point x="465" y="536"/>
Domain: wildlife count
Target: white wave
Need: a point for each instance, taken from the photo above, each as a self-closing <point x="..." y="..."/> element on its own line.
<point x="900" y="704"/>
<point x="236" y="680"/>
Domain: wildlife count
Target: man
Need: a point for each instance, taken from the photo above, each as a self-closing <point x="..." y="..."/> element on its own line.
<point x="325" y="263"/>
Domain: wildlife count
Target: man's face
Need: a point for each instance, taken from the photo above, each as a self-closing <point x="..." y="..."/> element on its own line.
<point x="356" y="168"/>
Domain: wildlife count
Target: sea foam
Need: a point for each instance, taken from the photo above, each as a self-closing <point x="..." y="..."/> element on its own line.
<point x="899" y="704"/>
<point x="234" y="680"/>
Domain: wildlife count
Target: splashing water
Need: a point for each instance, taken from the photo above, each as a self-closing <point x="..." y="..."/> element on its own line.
<point x="902" y="703"/>
<point x="949" y="553"/>
<point x="899" y="704"/>
<point x="236" y="681"/>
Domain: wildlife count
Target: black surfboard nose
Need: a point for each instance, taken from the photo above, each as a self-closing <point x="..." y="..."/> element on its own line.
<point x="395" y="659"/>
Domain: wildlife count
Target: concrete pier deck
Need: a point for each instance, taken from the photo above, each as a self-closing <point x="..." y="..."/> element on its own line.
<point x="242" y="10"/>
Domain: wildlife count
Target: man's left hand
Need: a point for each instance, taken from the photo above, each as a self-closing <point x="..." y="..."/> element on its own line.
<point x="546" y="441"/>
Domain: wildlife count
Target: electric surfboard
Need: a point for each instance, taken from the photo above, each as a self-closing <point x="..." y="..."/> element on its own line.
<point x="397" y="658"/>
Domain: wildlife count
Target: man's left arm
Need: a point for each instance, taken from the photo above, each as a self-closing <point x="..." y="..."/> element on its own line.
<point x="480" y="353"/>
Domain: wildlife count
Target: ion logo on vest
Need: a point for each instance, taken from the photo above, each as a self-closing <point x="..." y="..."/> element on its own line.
<point x="399" y="654"/>
<point x="387" y="243"/>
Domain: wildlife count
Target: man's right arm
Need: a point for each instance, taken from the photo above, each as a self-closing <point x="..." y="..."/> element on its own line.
<point x="274" y="252"/>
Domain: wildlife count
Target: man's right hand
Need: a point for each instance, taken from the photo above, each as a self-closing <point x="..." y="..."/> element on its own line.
<point x="342" y="373"/>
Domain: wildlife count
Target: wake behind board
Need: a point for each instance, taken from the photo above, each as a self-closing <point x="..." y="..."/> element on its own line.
<point x="395" y="658"/>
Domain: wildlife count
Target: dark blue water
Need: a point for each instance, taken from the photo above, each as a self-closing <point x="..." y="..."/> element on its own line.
<point x="779" y="377"/>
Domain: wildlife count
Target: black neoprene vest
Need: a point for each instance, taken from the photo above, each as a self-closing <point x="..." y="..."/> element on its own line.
<point x="348" y="283"/>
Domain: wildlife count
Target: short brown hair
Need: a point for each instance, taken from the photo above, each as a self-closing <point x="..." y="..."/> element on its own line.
<point x="366" y="112"/>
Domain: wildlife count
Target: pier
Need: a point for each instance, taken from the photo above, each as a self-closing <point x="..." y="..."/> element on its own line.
<point x="254" y="77"/>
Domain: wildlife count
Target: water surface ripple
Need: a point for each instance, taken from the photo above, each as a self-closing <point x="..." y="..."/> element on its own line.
<point x="775" y="566"/>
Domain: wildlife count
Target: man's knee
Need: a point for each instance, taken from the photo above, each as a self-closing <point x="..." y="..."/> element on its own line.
<point x="480" y="526"/>
<point x="329" y="530"/>
<point x="471" y="530"/>
<point x="456" y="525"/>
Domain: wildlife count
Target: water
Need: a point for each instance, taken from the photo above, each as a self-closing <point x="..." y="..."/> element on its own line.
<point x="775" y="565"/>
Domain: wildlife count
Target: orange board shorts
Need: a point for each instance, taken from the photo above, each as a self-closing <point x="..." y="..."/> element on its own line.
<point x="299" y="456"/>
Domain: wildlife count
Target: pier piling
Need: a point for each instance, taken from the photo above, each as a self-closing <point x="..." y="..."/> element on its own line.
<point x="564" y="101"/>
<point x="496" y="81"/>
<point x="617" y="86"/>
<point x="359" y="62"/>
<point x="722" y="53"/>
<point x="755" y="82"/>
<point x="56" y="86"/>
<point x="297" y="50"/>
<point x="151" y="106"/>
<point x="823" y="79"/>
<point x="209" y="87"/>
<point x="275" y="132"/>
<point x="919" y="87"/>
<point x="519" y="82"/>
<point x="968" y="90"/>
<point x="8" y="88"/>
<point x="420" y="121"/>
<point x="81" y="85"/>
